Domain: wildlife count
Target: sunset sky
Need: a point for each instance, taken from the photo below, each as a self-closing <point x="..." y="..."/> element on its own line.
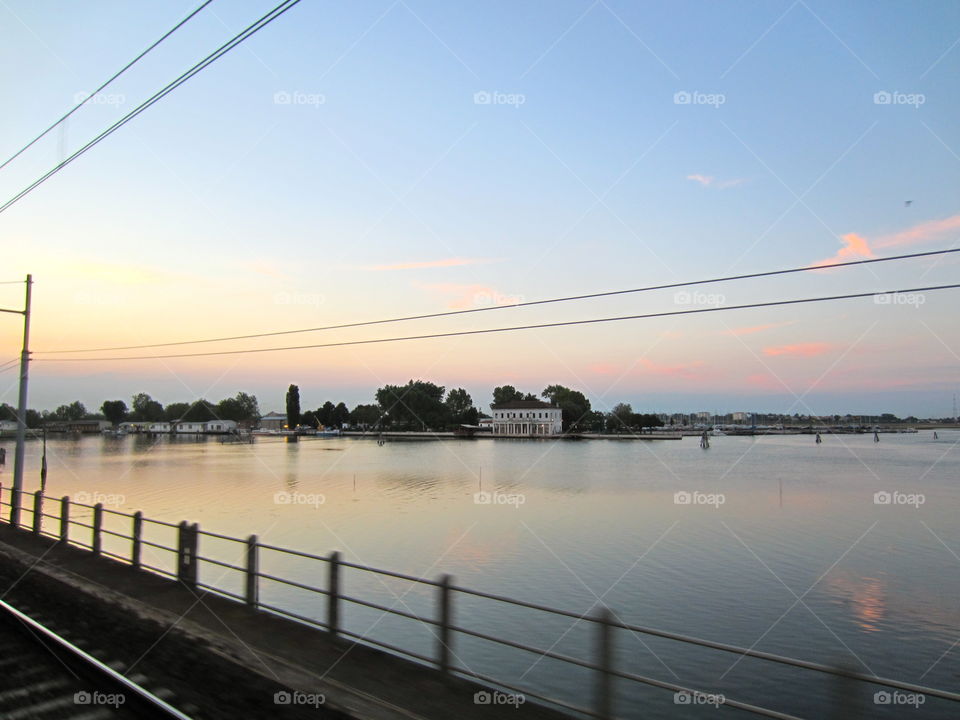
<point x="357" y="161"/>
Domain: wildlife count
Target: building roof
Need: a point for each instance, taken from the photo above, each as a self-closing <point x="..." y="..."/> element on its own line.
<point x="274" y="414"/>
<point x="523" y="405"/>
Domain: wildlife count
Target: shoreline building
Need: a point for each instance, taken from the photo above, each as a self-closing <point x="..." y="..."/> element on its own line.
<point x="273" y="421"/>
<point x="526" y="418"/>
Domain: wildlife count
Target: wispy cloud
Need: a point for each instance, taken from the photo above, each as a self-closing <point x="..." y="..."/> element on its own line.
<point x="854" y="247"/>
<point x="710" y="181"/>
<point x="419" y="264"/>
<point x="858" y="247"/>
<point x="810" y="349"/>
<point x="923" y="232"/>
<point x="752" y="329"/>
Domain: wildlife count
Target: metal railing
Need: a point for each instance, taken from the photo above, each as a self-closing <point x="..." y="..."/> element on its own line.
<point x="187" y="559"/>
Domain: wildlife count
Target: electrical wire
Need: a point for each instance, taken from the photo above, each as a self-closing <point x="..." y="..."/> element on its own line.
<point x="213" y="57"/>
<point x="113" y="77"/>
<point x="530" y="303"/>
<point x="537" y="326"/>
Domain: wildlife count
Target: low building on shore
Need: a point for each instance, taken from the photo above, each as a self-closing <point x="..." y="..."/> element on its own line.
<point x="76" y="426"/>
<point x="527" y="418"/>
<point x="273" y="421"/>
<point x="190" y="428"/>
<point x="214" y="427"/>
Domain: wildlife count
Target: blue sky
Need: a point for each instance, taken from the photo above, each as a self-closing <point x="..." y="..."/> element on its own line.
<point x="345" y="156"/>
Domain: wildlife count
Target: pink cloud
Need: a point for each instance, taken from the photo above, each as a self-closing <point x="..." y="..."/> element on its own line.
<point x="854" y="247"/>
<point x="810" y="349"/>
<point x="930" y="230"/>
<point x="446" y="262"/>
<point x="750" y="330"/>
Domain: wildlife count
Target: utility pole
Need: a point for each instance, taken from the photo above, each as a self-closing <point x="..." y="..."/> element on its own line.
<point x="16" y="499"/>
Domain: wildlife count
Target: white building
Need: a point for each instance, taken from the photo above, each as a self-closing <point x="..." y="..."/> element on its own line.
<point x="190" y="428"/>
<point x="159" y="427"/>
<point x="220" y="426"/>
<point x="527" y="417"/>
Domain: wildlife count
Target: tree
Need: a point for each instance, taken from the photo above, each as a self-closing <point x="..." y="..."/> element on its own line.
<point x="341" y="414"/>
<point x="242" y="408"/>
<point x="573" y="403"/>
<point x="145" y="408"/>
<point x="200" y="411"/>
<point x="418" y="405"/>
<point x="647" y="420"/>
<point x="73" y="411"/>
<point x="114" y="411"/>
<point x="293" y="406"/>
<point x="460" y="407"/>
<point x="175" y="411"/>
<point x="507" y="393"/>
<point x="365" y="415"/>
<point x="621" y="416"/>
<point x="325" y="414"/>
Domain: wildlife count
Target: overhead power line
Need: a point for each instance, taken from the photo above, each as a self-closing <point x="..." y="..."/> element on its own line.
<point x="530" y="303"/>
<point x="211" y="58"/>
<point x="113" y="77"/>
<point x="537" y="326"/>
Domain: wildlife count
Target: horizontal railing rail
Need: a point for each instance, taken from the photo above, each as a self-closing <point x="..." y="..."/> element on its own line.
<point x="441" y="625"/>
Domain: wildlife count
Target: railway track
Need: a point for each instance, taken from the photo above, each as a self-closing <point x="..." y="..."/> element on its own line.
<point x="44" y="676"/>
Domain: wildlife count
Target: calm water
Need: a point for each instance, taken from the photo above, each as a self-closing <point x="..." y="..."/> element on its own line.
<point x="878" y="584"/>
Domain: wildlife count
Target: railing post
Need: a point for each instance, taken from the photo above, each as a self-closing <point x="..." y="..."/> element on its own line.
<point x="604" y="698"/>
<point x="37" y="512"/>
<point x="65" y="519"/>
<point x="445" y="618"/>
<point x="253" y="570"/>
<point x="136" y="538"/>
<point x="333" y="599"/>
<point x="97" y="527"/>
<point x="181" y="550"/>
<point x="187" y="553"/>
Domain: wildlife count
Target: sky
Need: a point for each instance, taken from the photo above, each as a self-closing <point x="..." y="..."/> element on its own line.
<point x="360" y="161"/>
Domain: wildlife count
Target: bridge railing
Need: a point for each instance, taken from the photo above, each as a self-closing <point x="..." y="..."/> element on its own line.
<point x="186" y="560"/>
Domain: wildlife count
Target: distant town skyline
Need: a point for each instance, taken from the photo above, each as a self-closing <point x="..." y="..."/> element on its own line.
<point x="367" y="161"/>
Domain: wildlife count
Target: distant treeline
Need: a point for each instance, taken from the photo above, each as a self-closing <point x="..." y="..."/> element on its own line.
<point x="417" y="405"/>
